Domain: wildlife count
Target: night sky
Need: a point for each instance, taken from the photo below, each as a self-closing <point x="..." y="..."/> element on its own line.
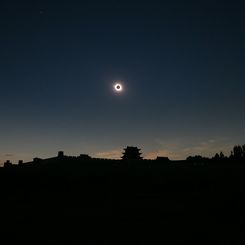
<point x="181" y="64"/>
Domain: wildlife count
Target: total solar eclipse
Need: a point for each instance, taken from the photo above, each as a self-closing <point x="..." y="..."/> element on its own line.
<point x="118" y="87"/>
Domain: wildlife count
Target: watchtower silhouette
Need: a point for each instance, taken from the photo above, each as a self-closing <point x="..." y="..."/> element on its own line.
<point x="132" y="153"/>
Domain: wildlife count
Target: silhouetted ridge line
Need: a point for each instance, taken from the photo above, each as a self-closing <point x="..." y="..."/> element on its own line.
<point x="132" y="156"/>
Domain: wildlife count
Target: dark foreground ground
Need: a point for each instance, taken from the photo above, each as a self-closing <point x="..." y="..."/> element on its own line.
<point x="111" y="203"/>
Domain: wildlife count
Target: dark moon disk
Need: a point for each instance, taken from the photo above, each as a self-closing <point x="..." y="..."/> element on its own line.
<point x="118" y="87"/>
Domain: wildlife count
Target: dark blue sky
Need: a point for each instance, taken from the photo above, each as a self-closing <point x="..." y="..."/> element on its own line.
<point x="181" y="62"/>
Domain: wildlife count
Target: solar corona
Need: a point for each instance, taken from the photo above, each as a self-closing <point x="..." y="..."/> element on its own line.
<point x="118" y="87"/>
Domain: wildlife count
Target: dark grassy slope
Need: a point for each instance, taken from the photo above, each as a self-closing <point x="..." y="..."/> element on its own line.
<point x="116" y="202"/>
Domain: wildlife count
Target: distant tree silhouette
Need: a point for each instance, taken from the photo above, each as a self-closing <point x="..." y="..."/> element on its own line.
<point x="221" y="155"/>
<point x="131" y="153"/>
<point x="216" y="157"/>
<point x="197" y="160"/>
<point x="194" y="158"/>
<point x="238" y="152"/>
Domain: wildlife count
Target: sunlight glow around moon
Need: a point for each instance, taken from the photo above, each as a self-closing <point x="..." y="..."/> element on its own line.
<point x="118" y="87"/>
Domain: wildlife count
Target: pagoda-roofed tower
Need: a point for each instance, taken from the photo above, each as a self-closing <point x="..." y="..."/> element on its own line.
<point x="132" y="153"/>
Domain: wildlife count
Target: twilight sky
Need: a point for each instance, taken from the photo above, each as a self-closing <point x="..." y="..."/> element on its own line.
<point x="181" y="63"/>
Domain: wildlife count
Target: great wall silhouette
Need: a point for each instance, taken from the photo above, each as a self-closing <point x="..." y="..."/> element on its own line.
<point x="70" y="200"/>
